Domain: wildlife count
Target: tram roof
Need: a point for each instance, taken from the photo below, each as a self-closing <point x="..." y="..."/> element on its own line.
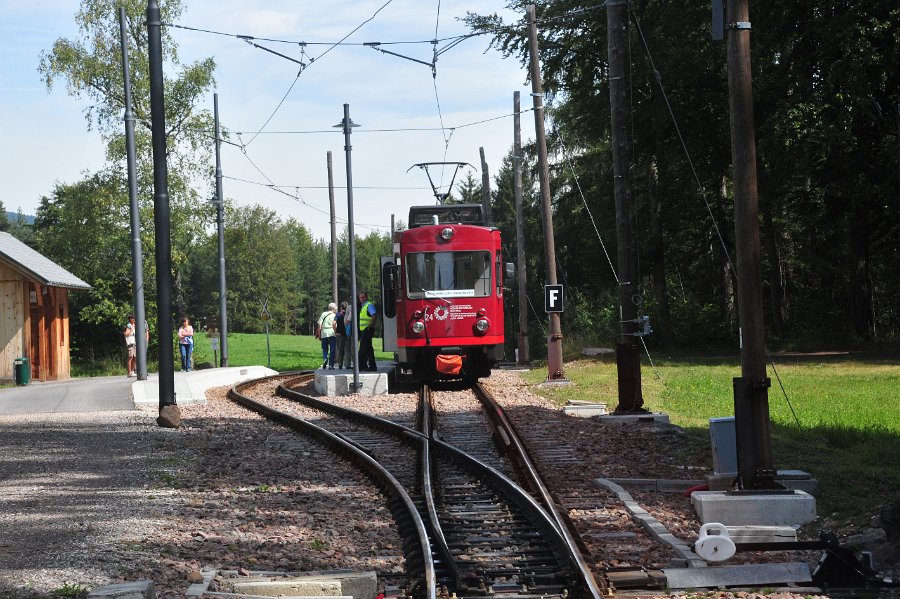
<point x="463" y="214"/>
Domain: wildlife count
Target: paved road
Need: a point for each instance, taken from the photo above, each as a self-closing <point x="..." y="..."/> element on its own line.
<point x="108" y="393"/>
<point x="97" y="394"/>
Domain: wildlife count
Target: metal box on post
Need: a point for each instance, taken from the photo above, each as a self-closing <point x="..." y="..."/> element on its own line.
<point x="723" y="439"/>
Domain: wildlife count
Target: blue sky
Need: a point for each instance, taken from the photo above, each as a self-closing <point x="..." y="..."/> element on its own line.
<point x="47" y="140"/>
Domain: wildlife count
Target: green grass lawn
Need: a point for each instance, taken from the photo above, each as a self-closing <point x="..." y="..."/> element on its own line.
<point x="283" y="352"/>
<point x="837" y="418"/>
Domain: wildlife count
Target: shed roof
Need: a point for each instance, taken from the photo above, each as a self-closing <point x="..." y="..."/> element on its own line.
<point x="33" y="264"/>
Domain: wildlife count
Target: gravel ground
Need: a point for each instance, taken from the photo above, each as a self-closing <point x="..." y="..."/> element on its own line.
<point x="92" y="499"/>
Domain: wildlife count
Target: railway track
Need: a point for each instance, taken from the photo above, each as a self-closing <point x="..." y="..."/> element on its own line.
<point x="469" y="530"/>
<point x="483" y="534"/>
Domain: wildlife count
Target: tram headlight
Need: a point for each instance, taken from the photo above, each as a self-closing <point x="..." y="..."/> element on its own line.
<point x="482" y="325"/>
<point x="418" y="327"/>
<point x="447" y="234"/>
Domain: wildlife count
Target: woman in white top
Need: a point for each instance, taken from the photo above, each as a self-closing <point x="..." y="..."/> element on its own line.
<point x="130" y="346"/>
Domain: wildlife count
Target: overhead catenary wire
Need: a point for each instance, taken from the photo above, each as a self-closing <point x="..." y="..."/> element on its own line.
<point x="703" y="194"/>
<point x="437" y="98"/>
<point x="450" y="40"/>
<point x="437" y="21"/>
<point x="447" y="134"/>
<point x="612" y="268"/>
<point x="280" y="188"/>
<point x="451" y="43"/>
<point x="687" y="153"/>
<point x="251" y="40"/>
<point x="271" y="116"/>
<point x="783" y="390"/>
<point x="538" y="317"/>
<point x="568" y="160"/>
<point x="303" y="66"/>
<point x="355" y="186"/>
<point x="297" y="197"/>
<point x="363" y="130"/>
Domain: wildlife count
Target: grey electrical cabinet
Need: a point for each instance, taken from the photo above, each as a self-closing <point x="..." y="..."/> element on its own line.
<point x="723" y="439"/>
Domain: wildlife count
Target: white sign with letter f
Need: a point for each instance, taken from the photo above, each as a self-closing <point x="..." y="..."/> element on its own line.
<point x="554" y="298"/>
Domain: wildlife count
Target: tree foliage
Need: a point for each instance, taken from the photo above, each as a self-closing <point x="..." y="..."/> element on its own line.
<point x="91" y="66"/>
<point x="827" y="100"/>
<point x="84" y="228"/>
<point x="826" y="95"/>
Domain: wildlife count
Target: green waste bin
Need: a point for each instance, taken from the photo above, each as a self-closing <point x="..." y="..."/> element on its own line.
<point x="22" y="371"/>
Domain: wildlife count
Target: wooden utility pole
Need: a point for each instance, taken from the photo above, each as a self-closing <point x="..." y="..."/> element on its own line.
<point x="334" y="264"/>
<point x="523" y="357"/>
<point x="554" y="342"/>
<point x="628" y="357"/>
<point x="485" y="189"/>
<point x="751" y="396"/>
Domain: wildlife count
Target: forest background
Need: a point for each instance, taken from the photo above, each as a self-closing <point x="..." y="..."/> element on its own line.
<point x="827" y="110"/>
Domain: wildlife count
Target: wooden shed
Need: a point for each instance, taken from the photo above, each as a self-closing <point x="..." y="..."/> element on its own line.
<point x="34" y="312"/>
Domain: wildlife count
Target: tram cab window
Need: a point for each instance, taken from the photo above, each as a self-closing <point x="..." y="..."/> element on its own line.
<point x="448" y="274"/>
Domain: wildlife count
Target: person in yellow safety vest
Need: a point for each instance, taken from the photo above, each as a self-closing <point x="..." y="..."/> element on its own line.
<point x="367" y="315"/>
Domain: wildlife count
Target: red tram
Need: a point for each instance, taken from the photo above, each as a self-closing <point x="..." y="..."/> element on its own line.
<point x="443" y="290"/>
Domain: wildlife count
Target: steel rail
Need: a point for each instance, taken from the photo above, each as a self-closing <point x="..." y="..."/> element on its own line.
<point x="519" y="454"/>
<point x="421" y="550"/>
<point x="538" y="516"/>
<point x="839" y="570"/>
<point x="406" y="434"/>
<point x="426" y="424"/>
<point x="514" y="494"/>
<point x="382" y="424"/>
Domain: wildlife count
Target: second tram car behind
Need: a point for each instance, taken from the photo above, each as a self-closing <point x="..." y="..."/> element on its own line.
<point x="443" y="293"/>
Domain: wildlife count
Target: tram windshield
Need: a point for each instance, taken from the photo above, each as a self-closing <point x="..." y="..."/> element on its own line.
<point x="448" y="274"/>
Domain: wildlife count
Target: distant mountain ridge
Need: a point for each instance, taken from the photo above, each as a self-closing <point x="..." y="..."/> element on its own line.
<point x="13" y="216"/>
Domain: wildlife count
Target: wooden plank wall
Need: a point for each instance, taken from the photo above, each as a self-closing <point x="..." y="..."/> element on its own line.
<point x="12" y="320"/>
<point x="60" y="337"/>
<point x="20" y="319"/>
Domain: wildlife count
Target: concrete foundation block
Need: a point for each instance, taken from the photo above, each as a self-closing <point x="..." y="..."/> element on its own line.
<point x="796" y="480"/>
<point x="663" y="485"/>
<point x="138" y="589"/>
<point x="741" y="575"/>
<point x="302" y="588"/>
<point x="332" y="383"/>
<point x="220" y="595"/>
<point x="603" y="352"/>
<point x="776" y="509"/>
<point x="190" y="387"/>
<point x="720" y="482"/>
<point x="352" y="585"/>
<point x="635" y="418"/>
<point x="585" y="410"/>
<point x="762" y="534"/>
